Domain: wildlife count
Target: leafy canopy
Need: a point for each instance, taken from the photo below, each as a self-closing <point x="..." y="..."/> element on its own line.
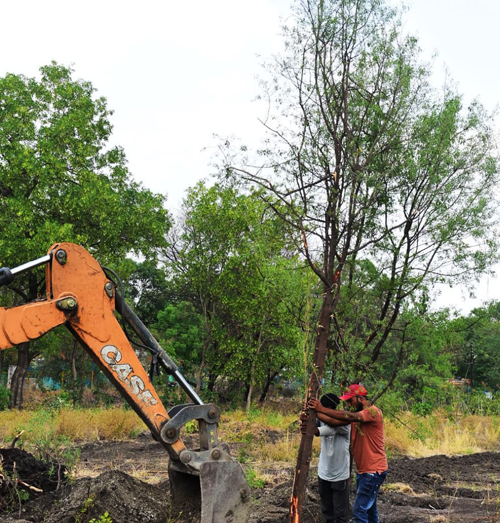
<point x="61" y="180"/>
<point x="374" y="167"/>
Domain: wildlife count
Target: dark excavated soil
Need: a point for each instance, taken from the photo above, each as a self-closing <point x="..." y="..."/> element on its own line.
<point x="129" y="481"/>
<point x="18" y="463"/>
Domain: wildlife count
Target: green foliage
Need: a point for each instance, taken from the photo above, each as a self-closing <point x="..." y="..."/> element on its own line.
<point x="478" y="351"/>
<point x="64" y="365"/>
<point x="23" y="495"/>
<point x="167" y="389"/>
<point x="423" y="409"/>
<point x="243" y="456"/>
<point x="54" y="404"/>
<point x="12" y="495"/>
<point x="253" y="478"/>
<point x="233" y="303"/>
<point x="5" y="396"/>
<point x="50" y="446"/>
<point x="238" y="270"/>
<point x="191" y="427"/>
<point x="478" y="403"/>
<point x="390" y="182"/>
<point x="421" y="431"/>
<point x="147" y="287"/>
<point x="181" y="332"/>
<point x="87" y="506"/>
<point x="104" y="518"/>
<point x="60" y="181"/>
<point x="208" y="396"/>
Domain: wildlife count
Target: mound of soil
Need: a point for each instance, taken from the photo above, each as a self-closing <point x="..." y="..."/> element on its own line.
<point x="453" y="489"/>
<point x="23" y="466"/>
<point x="125" y="498"/>
<point x="23" y="477"/>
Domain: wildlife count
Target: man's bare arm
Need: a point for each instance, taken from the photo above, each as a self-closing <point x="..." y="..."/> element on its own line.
<point x="331" y="421"/>
<point x="339" y="415"/>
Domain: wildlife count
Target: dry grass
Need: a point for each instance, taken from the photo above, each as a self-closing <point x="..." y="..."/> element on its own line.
<point x="76" y="425"/>
<point x="267" y="436"/>
<point x="12" y="422"/>
<point x="264" y="435"/>
<point x="401" y="488"/>
<point x="422" y="437"/>
<point x="99" y="424"/>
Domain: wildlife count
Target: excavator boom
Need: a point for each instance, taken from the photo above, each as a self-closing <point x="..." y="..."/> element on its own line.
<point x="82" y="297"/>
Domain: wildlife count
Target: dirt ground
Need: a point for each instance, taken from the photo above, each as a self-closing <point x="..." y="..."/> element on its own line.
<point x="129" y="480"/>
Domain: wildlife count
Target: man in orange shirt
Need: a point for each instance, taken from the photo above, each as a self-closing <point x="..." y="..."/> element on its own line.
<point x="367" y="447"/>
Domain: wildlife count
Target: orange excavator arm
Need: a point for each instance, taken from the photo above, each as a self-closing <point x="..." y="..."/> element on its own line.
<point x="82" y="297"/>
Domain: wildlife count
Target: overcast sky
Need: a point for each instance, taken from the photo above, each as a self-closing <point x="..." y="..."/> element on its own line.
<point x="175" y="73"/>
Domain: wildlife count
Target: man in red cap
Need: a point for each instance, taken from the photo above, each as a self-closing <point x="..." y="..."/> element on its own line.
<point x="367" y="447"/>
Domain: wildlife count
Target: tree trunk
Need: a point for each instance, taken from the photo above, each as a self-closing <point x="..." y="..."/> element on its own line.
<point x="305" y="448"/>
<point x="81" y="383"/>
<point x="211" y="382"/>
<point x="74" y="354"/>
<point x="252" y="372"/>
<point x="17" y="382"/>
<point x="249" y="396"/>
<point x="199" y="376"/>
<point x="471" y="367"/>
<point x="265" y="390"/>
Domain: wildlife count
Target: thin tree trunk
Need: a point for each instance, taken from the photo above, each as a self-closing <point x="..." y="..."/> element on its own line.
<point x="81" y="384"/>
<point x="73" y="361"/>
<point x="265" y="390"/>
<point x="199" y="374"/>
<point x="206" y="343"/>
<point x="252" y="372"/>
<point x="17" y="382"/>
<point x="305" y="448"/>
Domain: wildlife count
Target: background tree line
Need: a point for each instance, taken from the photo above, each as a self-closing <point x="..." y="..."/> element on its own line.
<point x="319" y="251"/>
<point x="234" y="304"/>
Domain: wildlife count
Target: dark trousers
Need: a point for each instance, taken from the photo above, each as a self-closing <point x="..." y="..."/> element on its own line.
<point x="334" y="500"/>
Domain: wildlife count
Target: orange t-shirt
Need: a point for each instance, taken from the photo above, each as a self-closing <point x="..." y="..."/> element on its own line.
<point x="367" y="440"/>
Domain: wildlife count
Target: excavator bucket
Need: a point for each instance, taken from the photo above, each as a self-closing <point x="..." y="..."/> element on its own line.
<point x="220" y="493"/>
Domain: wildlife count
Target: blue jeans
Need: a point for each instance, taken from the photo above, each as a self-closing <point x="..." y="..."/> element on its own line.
<point x="365" y="504"/>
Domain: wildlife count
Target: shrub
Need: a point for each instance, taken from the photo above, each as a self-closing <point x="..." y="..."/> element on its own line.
<point x="105" y="518"/>
<point x="253" y="478"/>
<point x="5" y="396"/>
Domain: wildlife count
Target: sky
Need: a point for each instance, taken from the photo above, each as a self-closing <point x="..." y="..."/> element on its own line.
<point x="176" y="73"/>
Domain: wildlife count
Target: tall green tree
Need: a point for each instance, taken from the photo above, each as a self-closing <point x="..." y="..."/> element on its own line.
<point x="261" y="321"/>
<point x="368" y="162"/>
<point x="235" y="265"/>
<point x="61" y="180"/>
<point x="420" y="356"/>
<point x="477" y="356"/>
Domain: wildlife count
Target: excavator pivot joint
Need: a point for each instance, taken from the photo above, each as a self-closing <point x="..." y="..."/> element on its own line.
<point x="109" y="289"/>
<point x="67" y="304"/>
<point x="61" y="256"/>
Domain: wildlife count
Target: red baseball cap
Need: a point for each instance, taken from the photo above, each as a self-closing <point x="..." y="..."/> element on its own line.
<point x="353" y="390"/>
